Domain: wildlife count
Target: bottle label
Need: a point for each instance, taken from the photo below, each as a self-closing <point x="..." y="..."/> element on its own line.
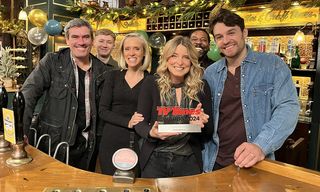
<point x="262" y="46"/>
<point x="8" y="125"/>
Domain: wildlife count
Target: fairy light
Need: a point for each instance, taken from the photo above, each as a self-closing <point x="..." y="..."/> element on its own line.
<point x="210" y="4"/>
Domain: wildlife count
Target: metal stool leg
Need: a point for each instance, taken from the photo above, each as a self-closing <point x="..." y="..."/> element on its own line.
<point x="34" y="136"/>
<point x="49" y="138"/>
<point x="58" y="146"/>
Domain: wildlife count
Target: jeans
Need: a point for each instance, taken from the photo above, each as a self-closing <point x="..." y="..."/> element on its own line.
<point x="166" y="164"/>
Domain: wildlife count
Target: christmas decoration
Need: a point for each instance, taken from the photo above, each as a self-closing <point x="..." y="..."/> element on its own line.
<point x="12" y="27"/>
<point x="187" y="8"/>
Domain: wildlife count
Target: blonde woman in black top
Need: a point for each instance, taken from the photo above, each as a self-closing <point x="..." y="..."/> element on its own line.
<point x="178" y="83"/>
<point x="119" y="99"/>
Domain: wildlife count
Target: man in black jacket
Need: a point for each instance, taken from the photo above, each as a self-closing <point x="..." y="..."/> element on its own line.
<point x="71" y="80"/>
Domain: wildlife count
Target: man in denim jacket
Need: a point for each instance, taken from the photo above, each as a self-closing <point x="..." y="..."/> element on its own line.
<point x="255" y="104"/>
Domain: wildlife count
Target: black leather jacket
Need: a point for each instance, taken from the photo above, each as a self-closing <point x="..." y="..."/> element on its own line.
<point x="54" y="76"/>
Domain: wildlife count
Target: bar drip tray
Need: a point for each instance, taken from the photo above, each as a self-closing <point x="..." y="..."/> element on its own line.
<point x="102" y="189"/>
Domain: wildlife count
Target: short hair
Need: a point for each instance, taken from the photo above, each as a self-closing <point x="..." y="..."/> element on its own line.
<point x="146" y="62"/>
<point x="204" y="30"/>
<point x="228" y="18"/>
<point x="77" y="22"/>
<point x="106" y="32"/>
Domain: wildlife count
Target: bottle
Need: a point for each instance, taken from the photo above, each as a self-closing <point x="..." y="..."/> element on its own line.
<point x="3" y="103"/>
<point x="310" y="90"/>
<point x="18" y="104"/>
<point x="295" y="63"/>
<point x="290" y="52"/>
<point x="298" y="87"/>
<point x="249" y="43"/>
<point x="262" y="45"/>
<point x="275" y="46"/>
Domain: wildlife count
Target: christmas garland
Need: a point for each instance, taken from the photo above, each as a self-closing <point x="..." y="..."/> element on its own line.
<point x="9" y="26"/>
<point x="187" y="9"/>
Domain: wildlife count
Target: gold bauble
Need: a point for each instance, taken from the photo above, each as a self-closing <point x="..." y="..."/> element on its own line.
<point x="38" y="17"/>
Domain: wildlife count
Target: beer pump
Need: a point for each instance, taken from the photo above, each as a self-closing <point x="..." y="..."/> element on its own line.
<point x="19" y="155"/>
<point x="125" y="159"/>
<point x="4" y="145"/>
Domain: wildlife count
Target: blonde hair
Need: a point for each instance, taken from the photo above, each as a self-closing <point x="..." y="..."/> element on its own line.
<point x="193" y="80"/>
<point x="146" y="62"/>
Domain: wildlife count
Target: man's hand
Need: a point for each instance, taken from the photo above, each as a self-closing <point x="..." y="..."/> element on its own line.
<point x="247" y="155"/>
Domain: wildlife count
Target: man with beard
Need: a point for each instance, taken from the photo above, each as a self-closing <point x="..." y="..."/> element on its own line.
<point x="201" y="40"/>
<point x="255" y="102"/>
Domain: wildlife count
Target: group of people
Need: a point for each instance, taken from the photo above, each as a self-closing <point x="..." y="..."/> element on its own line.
<point x="247" y="102"/>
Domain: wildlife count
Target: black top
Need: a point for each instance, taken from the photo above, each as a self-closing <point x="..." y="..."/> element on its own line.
<point x="117" y="105"/>
<point x="81" y="113"/>
<point x="231" y="129"/>
<point x="149" y="99"/>
<point x="175" y="144"/>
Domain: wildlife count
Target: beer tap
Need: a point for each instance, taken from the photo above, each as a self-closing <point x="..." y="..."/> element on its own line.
<point x="4" y="145"/>
<point x="19" y="155"/>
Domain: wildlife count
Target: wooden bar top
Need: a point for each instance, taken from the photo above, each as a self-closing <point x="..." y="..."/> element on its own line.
<point x="46" y="172"/>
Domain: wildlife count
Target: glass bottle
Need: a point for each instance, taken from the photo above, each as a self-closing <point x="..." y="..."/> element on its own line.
<point x="275" y="46"/>
<point x="290" y="52"/>
<point x="310" y="90"/>
<point x="295" y="63"/>
<point x="262" y="45"/>
<point x="249" y="43"/>
<point x="18" y="104"/>
<point x="3" y="103"/>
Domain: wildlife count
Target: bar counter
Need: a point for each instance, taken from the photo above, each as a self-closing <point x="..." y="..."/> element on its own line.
<point x="45" y="173"/>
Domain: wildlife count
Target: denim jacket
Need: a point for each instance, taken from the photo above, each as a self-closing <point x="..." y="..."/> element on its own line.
<point x="269" y="102"/>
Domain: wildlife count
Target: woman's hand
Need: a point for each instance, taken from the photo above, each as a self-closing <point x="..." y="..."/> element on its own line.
<point x="135" y="119"/>
<point x="199" y="118"/>
<point x="161" y="135"/>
